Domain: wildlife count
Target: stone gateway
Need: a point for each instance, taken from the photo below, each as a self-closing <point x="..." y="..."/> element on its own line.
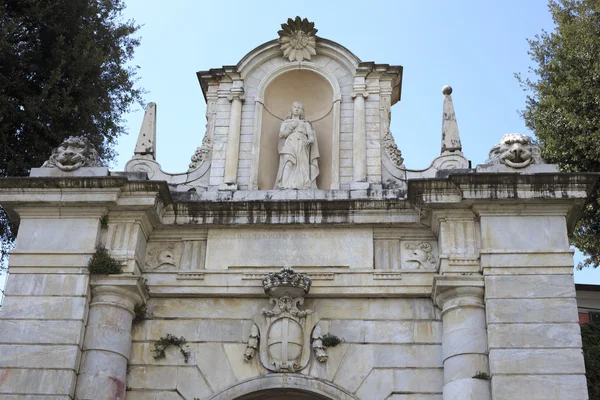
<point x="298" y="257"/>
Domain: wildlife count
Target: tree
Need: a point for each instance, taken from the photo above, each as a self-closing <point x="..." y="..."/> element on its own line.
<point x="563" y="108"/>
<point x="63" y="72"/>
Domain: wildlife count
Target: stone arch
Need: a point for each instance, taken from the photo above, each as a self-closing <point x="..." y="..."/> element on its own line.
<point x="333" y="115"/>
<point x="294" y="383"/>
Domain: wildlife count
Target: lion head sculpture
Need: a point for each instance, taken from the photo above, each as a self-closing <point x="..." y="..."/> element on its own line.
<point x="515" y="150"/>
<point x="73" y="153"/>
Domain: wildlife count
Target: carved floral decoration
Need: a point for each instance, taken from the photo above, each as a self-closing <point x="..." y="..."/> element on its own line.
<point x="297" y="39"/>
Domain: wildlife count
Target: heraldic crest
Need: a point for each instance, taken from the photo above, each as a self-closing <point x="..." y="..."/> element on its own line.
<point x="282" y="334"/>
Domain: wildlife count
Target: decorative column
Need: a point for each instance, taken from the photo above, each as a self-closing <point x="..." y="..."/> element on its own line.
<point x="233" y="138"/>
<point x="107" y="341"/>
<point x="359" y="148"/>
<point x="464" y="340"/>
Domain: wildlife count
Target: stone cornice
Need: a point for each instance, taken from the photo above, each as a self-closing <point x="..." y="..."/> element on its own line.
<point x="129" y="287"/>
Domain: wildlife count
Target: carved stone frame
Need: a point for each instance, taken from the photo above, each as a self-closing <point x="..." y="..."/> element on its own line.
<point x="258" y="110"/>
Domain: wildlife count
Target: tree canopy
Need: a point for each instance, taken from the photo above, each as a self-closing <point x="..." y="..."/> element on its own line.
<point x="563" y="107"/>
<point x="63" y="72"/>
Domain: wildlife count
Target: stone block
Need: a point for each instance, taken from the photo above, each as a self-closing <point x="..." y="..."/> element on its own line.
<point x="191" y="384"/>
<point x="15" y="307"/>
<point x="153" y="395"/>
<point x="355" y="367"/>
<point x="426" y="380"/>
<point x="534" y="335"/>
<point x="205" y="308"/>
<point x="470" y="389"/>
<point x="378" y="385"/>
<point x="246" y="248"/>
<point x="540" y="387"/>
<point x="524" y="232"/>
<point x="506" y="287"/>
<point x="47" y="285"/>
<point x="537" y="310"/>
<point x="536" y="361"/>
<point x="428" y="332"/>
<point x="39" y="356"/>
<point x="41" y="332"/>
<point x="77" y="235"/>
<point x="407" y="356"/>
<point x="152" y="377"/>
<point x="56" y="172"/>
<point x="241" y="368"/>
<point x="214" y="365"/>
<point x="37" y="382"/>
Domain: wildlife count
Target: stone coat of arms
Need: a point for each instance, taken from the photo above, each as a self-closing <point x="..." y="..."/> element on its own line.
<point x="282" y="334"/>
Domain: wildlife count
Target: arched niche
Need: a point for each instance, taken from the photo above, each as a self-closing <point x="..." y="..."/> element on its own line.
<point x="320" y="94"/>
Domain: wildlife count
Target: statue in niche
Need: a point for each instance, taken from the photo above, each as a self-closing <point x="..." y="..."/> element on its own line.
<point x="298" y="152"/>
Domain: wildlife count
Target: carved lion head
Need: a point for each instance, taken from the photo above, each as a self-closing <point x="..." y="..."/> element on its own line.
<point x="516" y="151"/>
<point x="73" y="153"/>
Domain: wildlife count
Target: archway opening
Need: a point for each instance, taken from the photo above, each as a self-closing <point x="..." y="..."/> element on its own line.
<point x="282" y="394"/>
<point x="316" y="94"/>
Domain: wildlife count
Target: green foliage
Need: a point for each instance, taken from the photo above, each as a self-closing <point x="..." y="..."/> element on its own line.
<point x="102" y="263"/>
<point x="63" y="72"/>
<point x="139" y="312"/>
<point x="104" y="221"/>
<point x="481" y="375"/>
<point x="590" y="335"/>
<point x="170" y="340"/>
<point x="563" y="108"/>
<point x="330" y="340"/>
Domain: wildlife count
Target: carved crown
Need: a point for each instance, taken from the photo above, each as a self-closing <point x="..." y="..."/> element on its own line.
<point x="286" y="281"/>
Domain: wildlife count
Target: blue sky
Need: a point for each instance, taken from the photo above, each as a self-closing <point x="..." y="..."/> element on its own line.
<point x="474" y="46"/>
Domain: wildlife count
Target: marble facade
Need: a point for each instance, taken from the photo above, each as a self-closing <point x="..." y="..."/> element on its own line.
<point x="444" y="283"/>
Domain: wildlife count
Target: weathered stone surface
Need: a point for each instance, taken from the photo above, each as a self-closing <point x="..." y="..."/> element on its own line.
<point x="537" y="310"/>
<point x="41" y="332"/>
<point x="38" y="381"/>
<point x="540" y="387"/>
<point x="47" y="285"/>
<point x="232" y="248"/>
<point x="536" y="361"/>
<point x="507" y="287"/>
<point x="534" y="335"/>
<point x="212" y="361"/>
<point x="191" y="384"/>
<point x="31" y="356"/>
<point x="152" y="377"/>
<point x="15" y="307"/>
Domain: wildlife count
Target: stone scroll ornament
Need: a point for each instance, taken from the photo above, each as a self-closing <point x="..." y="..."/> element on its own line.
<point x="297" y="39"/>
<point x="73" y="153"/>
<point x="282" y="334"/>
<point x="515" y="150"/>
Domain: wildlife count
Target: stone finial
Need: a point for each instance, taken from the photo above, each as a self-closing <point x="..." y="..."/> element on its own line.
<point x="450" y="136"/>
<point x="146" y="143"/>
<point x="297" y="39"/>
<point x="515" y="150"/>
<point x="73" y="153"/>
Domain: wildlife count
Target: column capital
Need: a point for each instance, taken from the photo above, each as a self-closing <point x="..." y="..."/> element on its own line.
<point x="356" y="94"/>
<point x="236" y="94"/>
<point x="125" y="291"/>
<point x="455" y="291"/>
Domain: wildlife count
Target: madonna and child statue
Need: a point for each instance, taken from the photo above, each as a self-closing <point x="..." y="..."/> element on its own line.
<point x="298" y="152"/>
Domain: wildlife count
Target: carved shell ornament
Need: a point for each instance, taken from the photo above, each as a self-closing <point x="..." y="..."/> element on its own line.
<point x="297" y="39"/>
